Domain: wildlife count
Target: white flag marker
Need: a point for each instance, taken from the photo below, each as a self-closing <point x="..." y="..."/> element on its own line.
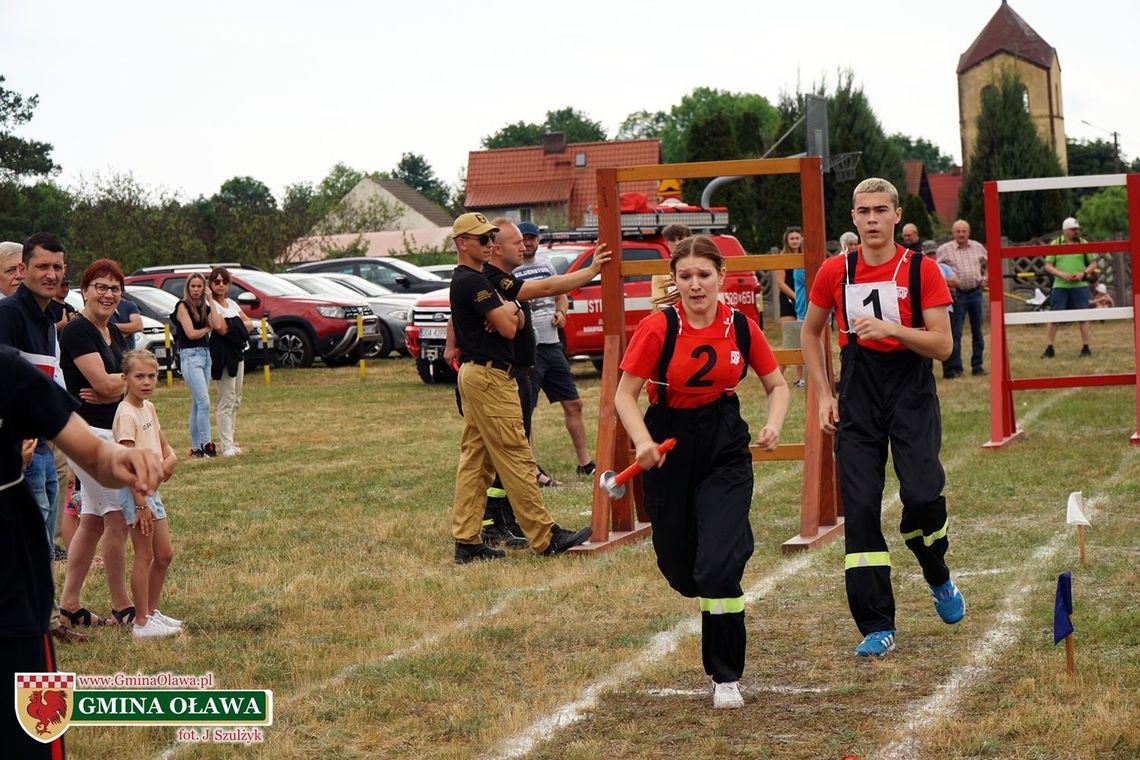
<point x="1075" y="515"/>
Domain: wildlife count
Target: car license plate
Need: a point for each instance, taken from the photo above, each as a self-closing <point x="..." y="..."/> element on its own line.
<point x="431" y="353"/>
<point x="371" y="328"/>
<point x="160" y="353"/>
<point x="436" y="333"/>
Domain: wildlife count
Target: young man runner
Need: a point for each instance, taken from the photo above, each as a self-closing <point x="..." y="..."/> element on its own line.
<point x="890" y="306"/>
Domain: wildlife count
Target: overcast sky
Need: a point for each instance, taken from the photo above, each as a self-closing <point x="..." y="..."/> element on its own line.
<point x="186" y="95"/>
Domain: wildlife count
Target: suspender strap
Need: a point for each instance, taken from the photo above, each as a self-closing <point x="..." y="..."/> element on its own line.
<point x="916" y="320"/>
<point x="852" y="260"/>
<point x="743" y="338"/>
<point x="672" y="326"/>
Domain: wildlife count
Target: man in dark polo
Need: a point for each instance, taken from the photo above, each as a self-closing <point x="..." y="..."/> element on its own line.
<point x="486" y="315"/>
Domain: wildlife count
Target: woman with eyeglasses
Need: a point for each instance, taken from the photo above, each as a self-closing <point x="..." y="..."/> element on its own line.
<point x="91" y="357"/>
<point x="192" y="339"/>
<point x="230" y="337"/>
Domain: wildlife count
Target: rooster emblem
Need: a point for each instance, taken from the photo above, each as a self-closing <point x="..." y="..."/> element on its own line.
<point x="47" y="707"/>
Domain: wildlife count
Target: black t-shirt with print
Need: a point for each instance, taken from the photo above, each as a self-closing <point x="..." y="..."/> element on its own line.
<point x="509" y="286"/>
<point x="78" y="338"/>
<point x="472" y="297"/>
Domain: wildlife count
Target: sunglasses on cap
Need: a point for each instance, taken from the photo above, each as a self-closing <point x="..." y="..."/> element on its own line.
<point x="485" y="239"/>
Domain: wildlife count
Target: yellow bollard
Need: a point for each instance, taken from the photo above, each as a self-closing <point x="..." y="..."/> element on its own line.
<point x="264" y="343"/>
<point x="169" y="356"/>
<point x="359" y="337"/>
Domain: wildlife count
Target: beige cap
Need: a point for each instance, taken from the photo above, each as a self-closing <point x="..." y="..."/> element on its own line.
<point x="472" y="223"/>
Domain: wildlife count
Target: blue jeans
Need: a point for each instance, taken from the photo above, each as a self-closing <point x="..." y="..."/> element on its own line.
<point x="966" y="304"/>
<point x="195" y="365"/>
<point x="41" y="478"/>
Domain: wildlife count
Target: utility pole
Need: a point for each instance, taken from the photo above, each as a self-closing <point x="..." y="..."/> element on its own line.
<point x="1115" y="143"/>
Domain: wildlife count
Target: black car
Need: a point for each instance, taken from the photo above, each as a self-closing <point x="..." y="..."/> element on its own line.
<point x="395" y="274"/>
<point x="158" y="304"/>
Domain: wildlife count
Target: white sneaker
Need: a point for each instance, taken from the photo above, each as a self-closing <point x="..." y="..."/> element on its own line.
<point x="232" y="451"/>
<point x="153" y="629"/>
<point x="166" y="620"/>
<point x="727" y="695"/>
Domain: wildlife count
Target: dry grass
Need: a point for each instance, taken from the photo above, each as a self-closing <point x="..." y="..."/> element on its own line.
<point x="319" y="565"/>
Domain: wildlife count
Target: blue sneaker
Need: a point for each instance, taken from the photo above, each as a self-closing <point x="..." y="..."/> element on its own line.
<point x="949" y="602"/>
<point x="876" y="644"/>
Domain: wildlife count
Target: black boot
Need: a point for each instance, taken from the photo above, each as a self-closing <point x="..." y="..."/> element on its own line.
<point x="496" y="529"/>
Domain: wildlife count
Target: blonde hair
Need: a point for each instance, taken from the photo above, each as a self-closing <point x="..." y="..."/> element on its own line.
<point x="197" y="311"/>
<point x="876" y="185"/>
<point x="701" y="246"/>
<point x="136" y="356"/>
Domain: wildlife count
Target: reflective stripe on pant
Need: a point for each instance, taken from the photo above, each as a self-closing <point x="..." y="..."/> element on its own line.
<point x="888" y="398"/>
<point x="698" y="503"/>
<point x="493" y="441"/>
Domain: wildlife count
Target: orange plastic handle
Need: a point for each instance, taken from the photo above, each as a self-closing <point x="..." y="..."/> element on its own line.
<point x="625" y="475"/>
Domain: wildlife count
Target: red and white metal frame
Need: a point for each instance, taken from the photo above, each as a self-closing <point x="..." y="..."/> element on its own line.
<point x="1003" y="424"/>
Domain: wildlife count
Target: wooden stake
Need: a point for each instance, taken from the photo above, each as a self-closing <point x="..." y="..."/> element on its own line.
<point x="1069" y="662"/>
<point x="1081" y="541"/>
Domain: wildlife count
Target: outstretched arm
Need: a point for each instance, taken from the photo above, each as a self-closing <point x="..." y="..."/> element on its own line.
<point x="564" y="283"/>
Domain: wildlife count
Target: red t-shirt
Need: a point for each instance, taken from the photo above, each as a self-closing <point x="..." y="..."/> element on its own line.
<point x="706" y="362"/>
<point x="827" y="291"/>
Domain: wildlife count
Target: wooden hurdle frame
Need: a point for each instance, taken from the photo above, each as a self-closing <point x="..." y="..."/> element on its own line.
<point x="614" y="520"/>
<point x="1003" y="424"/>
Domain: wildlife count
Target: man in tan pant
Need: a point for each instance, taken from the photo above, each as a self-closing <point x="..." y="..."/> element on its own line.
<point x="485" y="317"/>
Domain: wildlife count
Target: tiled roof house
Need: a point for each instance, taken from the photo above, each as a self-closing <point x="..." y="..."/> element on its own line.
<point x="551" y="182"/>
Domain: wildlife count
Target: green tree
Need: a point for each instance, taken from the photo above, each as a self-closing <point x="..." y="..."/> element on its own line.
<point x="27" y="209"/>
<point x="673" y="127"/>
<point x="931" y="155"/>
<point x="852" y="127"/>
<point x="914" y="212"/>
<point x="117" y="217"/>
<point x="1009" y="147"/>
<point x="20" y="157"/>
<point x="1093" y="157"/>
<point x="417" y="173"/>
<point x="521" y="134"/>
<point x="1104" y="214"/>
<point x="576" y="125"/>
<point x="643" y="124"/>
<point x="246" y="216"/>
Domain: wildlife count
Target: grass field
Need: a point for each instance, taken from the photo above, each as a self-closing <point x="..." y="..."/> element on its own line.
<point x="319" y="565"/>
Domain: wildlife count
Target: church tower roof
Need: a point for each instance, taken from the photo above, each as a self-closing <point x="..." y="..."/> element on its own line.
<point x="1008" y="32"/>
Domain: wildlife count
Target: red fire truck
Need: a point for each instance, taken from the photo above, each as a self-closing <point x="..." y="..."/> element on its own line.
<point x="571" y="251"/>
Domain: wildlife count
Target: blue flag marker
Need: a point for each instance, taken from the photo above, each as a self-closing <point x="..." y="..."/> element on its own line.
<point x="1063" y="608"/>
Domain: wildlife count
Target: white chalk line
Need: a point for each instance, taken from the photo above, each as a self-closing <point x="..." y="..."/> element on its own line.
<point x="665" y="642"/>
<point x="946" y="697"/>
<point x="752" y="688"/>
<point x="660" y="646"/>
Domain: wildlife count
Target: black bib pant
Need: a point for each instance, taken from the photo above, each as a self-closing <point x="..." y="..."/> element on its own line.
<point x="888" y="398"/>
<point x="698" y="503"/>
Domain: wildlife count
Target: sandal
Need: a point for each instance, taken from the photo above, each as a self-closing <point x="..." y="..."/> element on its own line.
<point x="125" y="616"/>
<point x="545" y="481"/>
<point x="84" y="617"/>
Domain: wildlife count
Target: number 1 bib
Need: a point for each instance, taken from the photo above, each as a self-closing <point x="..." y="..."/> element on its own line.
<point x="873" y="299"/>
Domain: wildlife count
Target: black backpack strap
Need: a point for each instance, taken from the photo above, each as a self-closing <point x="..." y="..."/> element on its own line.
<point x="743" y="338"/>
<point x="916" y="320"/>
<point x="852" y="261"/>
<point x="672" y="326"/>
